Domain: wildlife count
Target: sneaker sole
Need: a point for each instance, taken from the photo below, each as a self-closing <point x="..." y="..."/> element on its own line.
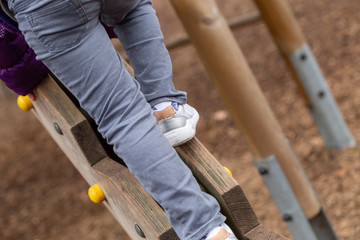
<point x="182" y="135"/>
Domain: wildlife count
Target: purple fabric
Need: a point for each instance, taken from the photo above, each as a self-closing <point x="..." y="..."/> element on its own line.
<point x="19" y="69"/>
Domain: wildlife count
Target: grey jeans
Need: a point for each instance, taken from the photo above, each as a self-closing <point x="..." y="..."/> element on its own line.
<point x="68" y="37"/>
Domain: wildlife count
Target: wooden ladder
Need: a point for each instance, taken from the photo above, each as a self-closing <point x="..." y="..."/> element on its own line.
<point x="135" y="210"/>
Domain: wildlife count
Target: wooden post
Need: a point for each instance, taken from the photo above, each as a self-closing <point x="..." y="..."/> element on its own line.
<point x="238" y="87"/>
<point x="233" y="24"/>
<point x="218" y="182"/>
<point x="286" y="33"/>
<point x="291" y="42"/>
<point x="282" y="25"/>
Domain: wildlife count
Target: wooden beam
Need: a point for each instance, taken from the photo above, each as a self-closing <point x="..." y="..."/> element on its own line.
<point x="263" y="233"/>
<point x="218" y="182"/>
<point x="58" y="113"/>
<point x="233" y="24"/>
<point x="130" y="204"/>
<point x="126" y="199"/>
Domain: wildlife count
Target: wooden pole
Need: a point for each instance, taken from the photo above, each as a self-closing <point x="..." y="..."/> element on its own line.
<point x="238" y="87"/>
<point x="233" y="24"/>
<point x="286" y="33"/>
<point x="282" y="25"/>
<point x="297" y="54"/>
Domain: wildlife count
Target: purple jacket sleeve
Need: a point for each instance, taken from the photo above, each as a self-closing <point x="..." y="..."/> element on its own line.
<point x="19" y="69"/>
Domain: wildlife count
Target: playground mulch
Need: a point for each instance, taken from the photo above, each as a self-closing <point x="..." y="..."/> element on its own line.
<point x="42" y="195"/>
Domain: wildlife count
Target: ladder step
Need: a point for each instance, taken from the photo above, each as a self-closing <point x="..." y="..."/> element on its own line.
<point x="263" y="233"/>
<point x="219" y="183"/>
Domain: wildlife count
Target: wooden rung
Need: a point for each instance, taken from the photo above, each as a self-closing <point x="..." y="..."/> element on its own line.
<point x="218" y="182"/>
<point x="67" y="125"/>
<point x="263" y="233"/>
<point x="233" y="24"/>
<point x="130" y="204"/>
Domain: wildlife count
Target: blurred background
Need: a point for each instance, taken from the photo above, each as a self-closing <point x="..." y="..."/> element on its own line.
<point x="42" y="196"/>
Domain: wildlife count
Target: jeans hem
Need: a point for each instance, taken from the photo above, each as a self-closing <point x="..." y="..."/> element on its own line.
<point x="179" y="100"/>
<point x="217" y="221"/>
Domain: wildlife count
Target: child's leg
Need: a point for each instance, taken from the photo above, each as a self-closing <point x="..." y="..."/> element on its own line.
<point x="142" y="40"/>
<point x="68" y="37"/>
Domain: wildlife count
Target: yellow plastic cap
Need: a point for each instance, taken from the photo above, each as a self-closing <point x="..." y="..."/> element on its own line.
<point x="228" y="170"/>
<point x="24" y="103"/>
<point x="95" y="194"/>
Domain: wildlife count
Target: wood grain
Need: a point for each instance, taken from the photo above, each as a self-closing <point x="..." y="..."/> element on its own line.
<point x="282" y="24"/>
<point x="126" y="199"/>
<point x="77" y="140"/>
<point x="263" y="233"/>
<point x="286" y="32"/>
<point x="130" y="203"/>
<point x="218" y="182"/>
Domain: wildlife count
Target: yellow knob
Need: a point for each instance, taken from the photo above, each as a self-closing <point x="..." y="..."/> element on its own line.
<point x="228" y="170"/>
<point x="95" y="194"/>
<point x="24" y="103"/>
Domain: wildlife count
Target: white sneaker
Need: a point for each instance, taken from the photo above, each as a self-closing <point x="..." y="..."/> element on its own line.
<point x="177" y="122"/>
<point x="222" y="232"/>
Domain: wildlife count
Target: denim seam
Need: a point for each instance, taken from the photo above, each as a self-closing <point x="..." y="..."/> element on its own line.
<point x="30" y="18"/>
<point x="19" y="7"/>
<point x="84" y="13"/>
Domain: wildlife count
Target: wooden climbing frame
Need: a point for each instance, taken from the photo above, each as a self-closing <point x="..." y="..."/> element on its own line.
<point x="134" y="209"/>
<point x="210" y="34"/>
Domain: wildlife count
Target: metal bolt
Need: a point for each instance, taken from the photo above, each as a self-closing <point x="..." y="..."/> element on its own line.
<point x="321" y="94"/>
<point x="287" y="217"/>
<point x="58" y="129"/>
<point x="263" y="170"/>
<point x="139" y="231"/>
<point x="303" y="57"/>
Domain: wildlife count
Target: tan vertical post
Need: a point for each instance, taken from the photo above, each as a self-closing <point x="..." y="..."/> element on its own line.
<point x="238" y="87"/>
<point x="297" y="54"/>
<point x="285" y="31"/>
<point x="282" y="24"/>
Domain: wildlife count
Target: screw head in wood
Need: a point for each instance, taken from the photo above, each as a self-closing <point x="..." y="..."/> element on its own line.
<point x="58" y="129"/>
<point x="139" y="231"/>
